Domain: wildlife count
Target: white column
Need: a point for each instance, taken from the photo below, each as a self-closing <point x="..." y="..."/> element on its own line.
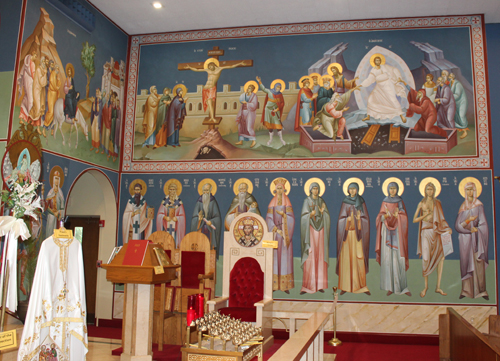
<point x="138" y="323"/>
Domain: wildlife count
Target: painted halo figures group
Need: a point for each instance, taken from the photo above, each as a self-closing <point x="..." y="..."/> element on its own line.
<point x="353" y="231"/>
<point x="321" y="103"/>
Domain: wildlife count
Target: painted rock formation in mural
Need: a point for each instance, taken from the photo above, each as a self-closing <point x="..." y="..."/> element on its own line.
<point x="42" y="42"/>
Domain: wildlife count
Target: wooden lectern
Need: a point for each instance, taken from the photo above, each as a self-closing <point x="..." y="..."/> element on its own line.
<point x="137" y="332"/>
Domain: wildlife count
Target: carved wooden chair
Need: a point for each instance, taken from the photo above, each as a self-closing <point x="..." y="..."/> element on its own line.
<point x="164" y="294"/>
<point x="197" y="272"/>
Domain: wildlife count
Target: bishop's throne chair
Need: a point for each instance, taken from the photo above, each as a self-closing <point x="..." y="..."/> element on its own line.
<point x="247" y="288"/>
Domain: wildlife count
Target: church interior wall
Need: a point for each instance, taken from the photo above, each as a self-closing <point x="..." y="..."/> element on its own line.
<point x="357" y="309"/>
<point x="29" y="25"/>
<point x="9" y="28"/>
<point x="332" y="169"/>
<point x="56" y="37"/>
<point x="92" y="194"/>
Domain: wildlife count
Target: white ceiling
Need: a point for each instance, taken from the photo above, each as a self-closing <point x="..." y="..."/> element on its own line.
<point x="139" y="16"/>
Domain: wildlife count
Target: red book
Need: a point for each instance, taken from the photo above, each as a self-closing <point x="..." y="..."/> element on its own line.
<point x="136" y="250"/>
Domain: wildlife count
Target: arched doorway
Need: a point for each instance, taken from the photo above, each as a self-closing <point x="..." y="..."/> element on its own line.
<point x="93" y="195"/>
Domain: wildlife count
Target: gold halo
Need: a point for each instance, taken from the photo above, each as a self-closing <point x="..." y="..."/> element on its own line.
<point x="251" y="82"/>
<point x="308" y="78"/>
<point x="329" y="77"/>
<point x="61" y="175"/>
<point x="393" y="179"/>
<point x="479" y="187"/>
<point x="183" y="87"/>
<point x="205" y="181"/>
<point x="337" y="65"/>
<point x="70" y="66"/>
<point x="242" y="180"/>
<point x="312" y="180"/>
<point x="283" y="85"/>
<point x="316" y="75"/>
<point x="423" y="183"/>
<point x="272" y="187"/>
<point x="210" y="60"/>
<point x="167" y="186"/>
<point x="132" y="185"/>
<point x="372" y="59"/>
<point x="354" y="180"/>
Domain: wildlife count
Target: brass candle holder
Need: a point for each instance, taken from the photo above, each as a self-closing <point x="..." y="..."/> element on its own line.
<point x="335" y="341"/>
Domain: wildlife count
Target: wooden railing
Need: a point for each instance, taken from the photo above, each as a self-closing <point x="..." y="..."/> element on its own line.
<point x="307" y="344"/>
<point x="460" y="341"/>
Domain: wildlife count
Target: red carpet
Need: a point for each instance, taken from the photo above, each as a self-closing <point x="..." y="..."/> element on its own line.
<point x="348" y="351"/>
<point x="104" y="332"/>
<point x="357" y="351"/>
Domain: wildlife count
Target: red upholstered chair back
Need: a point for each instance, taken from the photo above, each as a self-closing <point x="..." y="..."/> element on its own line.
<point x="246" y="283"/>
<point x="193" y="264"/>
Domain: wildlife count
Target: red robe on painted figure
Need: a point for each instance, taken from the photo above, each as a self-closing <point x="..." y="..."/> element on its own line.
<point x="428" y="113"/>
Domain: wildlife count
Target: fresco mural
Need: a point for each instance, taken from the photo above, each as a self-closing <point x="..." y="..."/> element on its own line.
<point x="58" y="176"/>
<point x="10" y="15"/>
<point x="403" y="91"/>
<point x="74" y="102"/>
<point x="381" y="238"/>
<point x="363" y="126"/>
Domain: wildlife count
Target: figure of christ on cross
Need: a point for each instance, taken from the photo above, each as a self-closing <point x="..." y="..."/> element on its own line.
<point x="213" y="70"/>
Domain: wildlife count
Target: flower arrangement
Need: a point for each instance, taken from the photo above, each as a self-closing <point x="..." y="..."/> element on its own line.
<point x="25" y="204"/>
<point x="23" y="199"/>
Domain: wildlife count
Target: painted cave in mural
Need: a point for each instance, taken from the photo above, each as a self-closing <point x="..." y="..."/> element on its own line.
<point x="362" y="94"/>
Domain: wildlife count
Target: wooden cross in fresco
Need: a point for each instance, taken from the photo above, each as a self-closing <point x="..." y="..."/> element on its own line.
<point x="210" y="88"/>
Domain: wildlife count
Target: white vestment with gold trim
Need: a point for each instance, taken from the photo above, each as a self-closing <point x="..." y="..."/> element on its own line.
<point x="56" y="317"/>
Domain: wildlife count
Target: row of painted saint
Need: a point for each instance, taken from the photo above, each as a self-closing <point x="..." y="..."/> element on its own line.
<point x="353" y="231"/>
<point x="321" y="103"/>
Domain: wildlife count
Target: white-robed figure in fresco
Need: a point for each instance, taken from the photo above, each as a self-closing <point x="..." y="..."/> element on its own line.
<point x="171" y="214"/>
<point x="54" y="204"/>
<point x="22" y="172"/>
<point x="314" y="238"/>
<point x="473" y="236"/>
<point x="135" y="218"/>
<point x="382" y="101"/>
<point x="56" y="326"/>
<point x="392" y="240"/>
<point x="281" y="220"/>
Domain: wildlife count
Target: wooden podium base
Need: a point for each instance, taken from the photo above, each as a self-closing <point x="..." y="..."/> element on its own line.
<point x="211" y="124"/>
<point x="137" y="325"/>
